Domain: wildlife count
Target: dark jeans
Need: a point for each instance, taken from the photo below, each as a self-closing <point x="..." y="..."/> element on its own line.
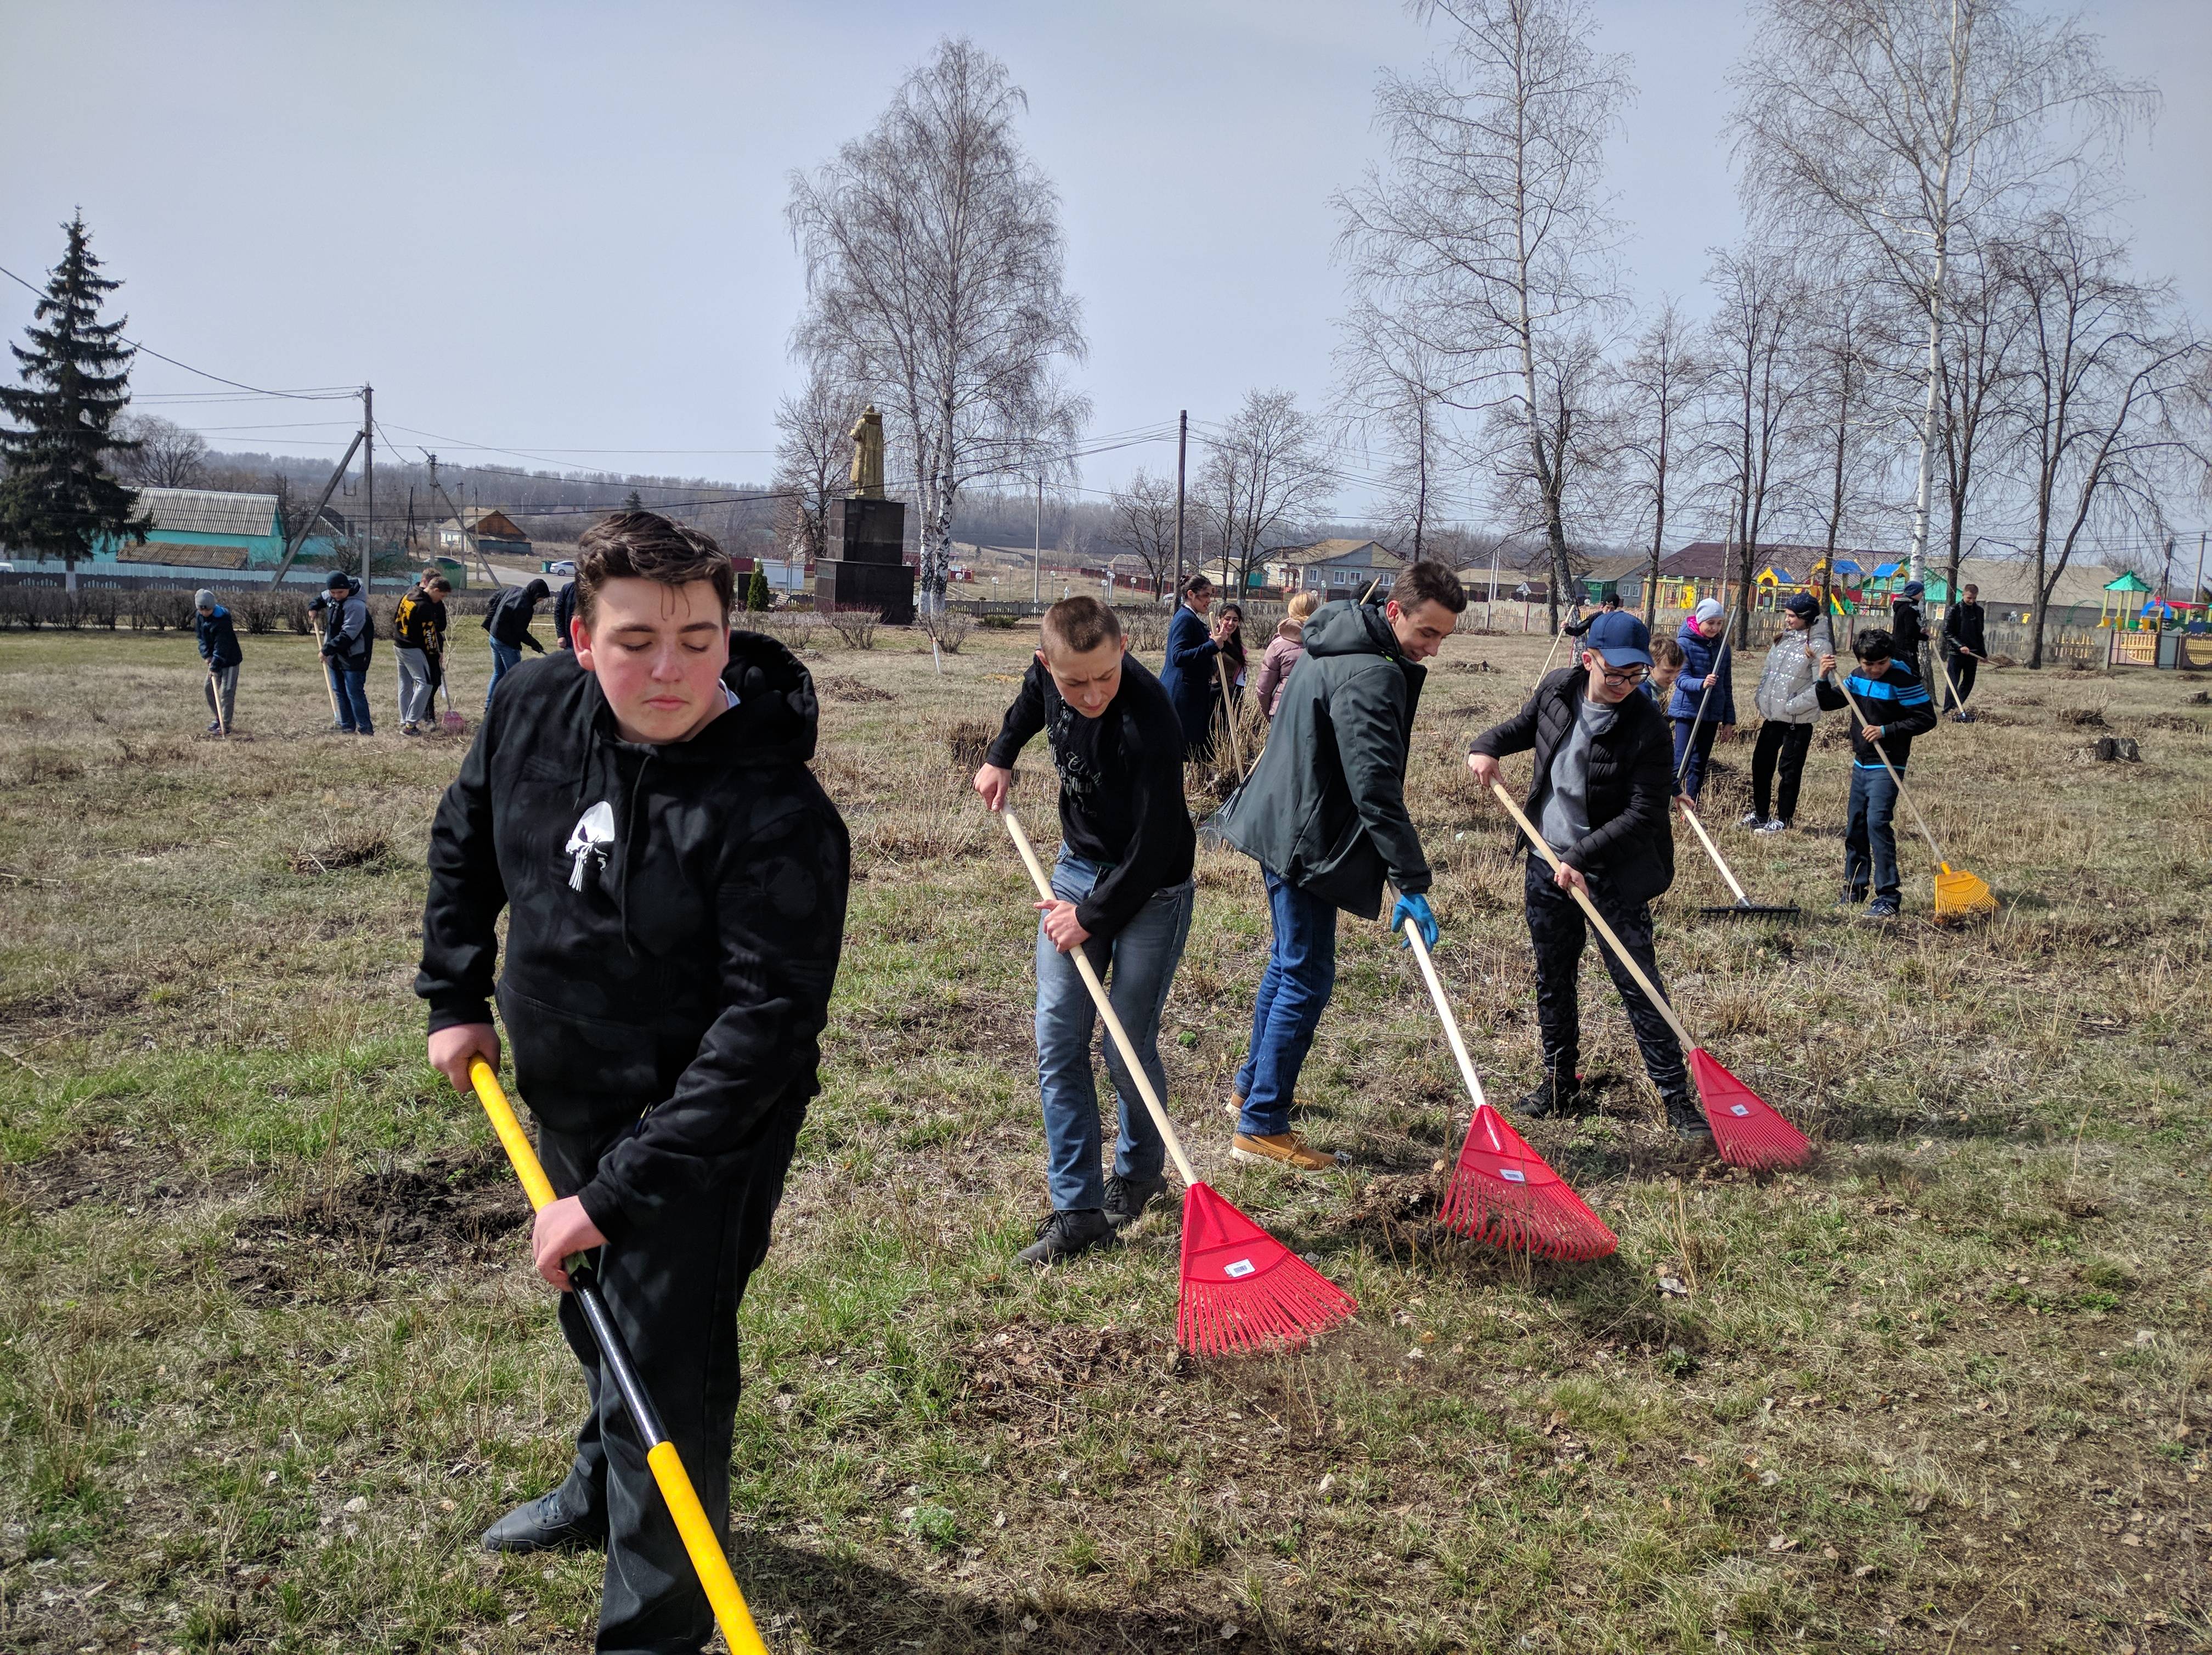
<point x="1138" y="964"/>
<point x="1783" y="742"/>
<point x="1557" y="932"/>
<point x="1293" y="994"/>
<point x="1870" y="842"/>
<point x="505" y="658"/>
<point x="672" y="1285"/>
<point x="1963" y="668"/>
<point x="352" y="689"/>
<point x="1693" y="774"/>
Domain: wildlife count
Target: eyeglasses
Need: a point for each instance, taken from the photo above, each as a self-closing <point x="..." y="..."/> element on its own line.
<point x="1633" y="676"/>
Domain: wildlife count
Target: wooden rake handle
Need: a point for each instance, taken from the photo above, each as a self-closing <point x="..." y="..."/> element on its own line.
<point x="1229" y="716"/>
<point x="1918" y="820"/>
<point x="1598" y="919"/>
<point x="1713" y="850"/>
<point x="1443" y="1010"/>
<point x="1119" y="1035"/>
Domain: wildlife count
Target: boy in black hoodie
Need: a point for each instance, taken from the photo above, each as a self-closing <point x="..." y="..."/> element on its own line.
<point x="675" y="881"/>
<point x="1895" y="708"/>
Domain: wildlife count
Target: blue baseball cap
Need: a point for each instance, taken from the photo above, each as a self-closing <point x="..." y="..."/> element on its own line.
<point x="1619" y="638"/>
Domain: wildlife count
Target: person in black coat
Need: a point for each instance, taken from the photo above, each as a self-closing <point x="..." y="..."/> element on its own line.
<point x="675" y="884"/>
<point x="218" y="641"/>
<point x="1907" y="632"/>
<point x="1966" y="647"/>
<point x="507" y="619"/>
<point x="1604" y="774"/>
<point x="1187" y="673"/>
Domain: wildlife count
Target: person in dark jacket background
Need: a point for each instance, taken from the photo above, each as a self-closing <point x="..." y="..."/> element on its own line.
<point x="507" y="619"/>
<point x="1907" y="634"/>
<point x="1187" y="673"/>
<point x="1896" y="707"/>
<point x="675" y="881"/>
<point x="349" y="641"/>
<point x="1698" y="715"/>
<point x="1599" y="796"/>
<point x="418" y="641"/>
<point x="564" y="612"/>
<point x="1966" y="647"/>
<point x="1122" y="890"/>
<point x="218" y="642"/>
<point x="1324" y="815"/>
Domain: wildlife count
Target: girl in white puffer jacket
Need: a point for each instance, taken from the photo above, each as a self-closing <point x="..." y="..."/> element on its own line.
<point x="1786" y="700"/>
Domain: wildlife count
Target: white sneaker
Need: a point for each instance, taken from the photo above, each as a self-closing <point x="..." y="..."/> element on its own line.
<point x="1776" y="825"/>
<point x="1750" y="819"/>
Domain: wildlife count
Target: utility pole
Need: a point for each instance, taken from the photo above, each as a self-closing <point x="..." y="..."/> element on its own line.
<point x="367" y="526"/>
<point x="1489" y="602"/>
<point x="1183" y="454"/>
<point x="2197" y="590"/>
<point x="461" y="524"/>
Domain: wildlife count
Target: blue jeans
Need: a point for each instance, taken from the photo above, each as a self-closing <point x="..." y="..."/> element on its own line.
<point x="505" y="658"/>
<point x="1301" y="974"/>
<point x="1693" y="774"/>
<point x="1139" y="962"/>
<point x="1870" y="842"/>
<point x="352" y="689"/>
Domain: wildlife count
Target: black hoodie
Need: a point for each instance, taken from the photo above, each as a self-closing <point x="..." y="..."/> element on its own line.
<point x="511" y="610"/>
<point x="675" y="975"/>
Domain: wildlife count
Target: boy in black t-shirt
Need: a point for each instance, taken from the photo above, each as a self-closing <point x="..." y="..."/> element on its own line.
<point x="1123" y="885"/>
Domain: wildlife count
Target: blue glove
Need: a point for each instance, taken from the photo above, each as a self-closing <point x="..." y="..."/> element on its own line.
<point x="1415" y="909"/>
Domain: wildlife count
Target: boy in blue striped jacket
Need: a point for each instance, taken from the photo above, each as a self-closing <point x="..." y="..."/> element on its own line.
<point x="1896" y="707"/>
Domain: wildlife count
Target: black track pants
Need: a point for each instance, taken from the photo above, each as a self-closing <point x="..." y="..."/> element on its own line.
<point x="672" y="1285"/>
<point x="1557" y="931"/>
<point x="1783" y="744"/>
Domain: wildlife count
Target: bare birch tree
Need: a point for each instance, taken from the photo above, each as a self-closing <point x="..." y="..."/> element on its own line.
<point x="1850" y="416"/>
<point x="934" y="264"/>
<point x="1655" y="391"/>
<point x="1488" y="239"/>
<point x="2107" y="409"/>
<point x="1899" y="125"/>
<point x="1263" y="473"/>
<point x="166" y="455"/>
<point x="1757" y="390"/>
<point x="1976" y="374"/>
<point x="1143" y="525"/>
<point x="1392" y="407"/>
<point x="813" y="456"/>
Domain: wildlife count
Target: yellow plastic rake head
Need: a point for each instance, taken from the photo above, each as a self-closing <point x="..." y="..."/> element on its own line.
<point x="1960" y="895"/>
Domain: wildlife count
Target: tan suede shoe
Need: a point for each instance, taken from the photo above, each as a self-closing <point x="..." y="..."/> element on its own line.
<point x="1288" y="1149"/>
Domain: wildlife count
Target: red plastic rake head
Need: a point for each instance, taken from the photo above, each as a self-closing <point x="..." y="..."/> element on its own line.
<point x="1243" y="1290"/>
<point x="1746" y="1131"/>
<point x="1503" y="1192"/>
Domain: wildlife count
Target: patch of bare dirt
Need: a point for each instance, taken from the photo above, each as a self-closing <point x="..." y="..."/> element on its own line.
<point x="73" y="1005"/>
<point x="455" y="1208"/>
<point x="836" y="686"/>
<point x="1025" y="1369"/>
<point x="352" y="851"/>
<point x="117" y="1168"/>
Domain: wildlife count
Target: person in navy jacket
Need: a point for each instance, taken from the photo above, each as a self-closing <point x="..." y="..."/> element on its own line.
<point x="1699" y="717"/>
<point x="1189" y="675"/>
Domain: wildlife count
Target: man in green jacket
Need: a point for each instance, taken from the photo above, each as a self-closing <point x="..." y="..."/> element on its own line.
<point x="1324" y="815"/>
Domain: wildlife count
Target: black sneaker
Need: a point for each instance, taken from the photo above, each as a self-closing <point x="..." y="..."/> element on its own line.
<point x="1882" y="908"/>
<point x="1688" y="1123"/>
<point x="1849" y="900"/>
<point x="1549" y="1097"/>
<point x="544" y="1525"/>
<point x="1063" y="1235"/>
<point x="1127" y="1199"/>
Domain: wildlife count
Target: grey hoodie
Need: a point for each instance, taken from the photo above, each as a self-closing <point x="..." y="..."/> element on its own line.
<point x="1325" y="808"/>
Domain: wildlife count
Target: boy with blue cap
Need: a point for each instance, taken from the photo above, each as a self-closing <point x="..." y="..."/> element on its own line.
<point x="1604" y="776"/>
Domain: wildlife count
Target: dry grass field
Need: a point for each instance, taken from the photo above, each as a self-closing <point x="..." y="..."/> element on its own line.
<point x="271" y="1356"/>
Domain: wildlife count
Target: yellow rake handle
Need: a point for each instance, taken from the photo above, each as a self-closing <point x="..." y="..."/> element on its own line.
<point x="1128" y="1048"/>
<point x="707" y="1561"/>
<point x="1598" y="919"/>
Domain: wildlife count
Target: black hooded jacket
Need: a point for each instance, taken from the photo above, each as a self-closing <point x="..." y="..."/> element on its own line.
<point x="508" y="615"/>
<point x="673" y="977"/>
<point x="1631" y="842"/>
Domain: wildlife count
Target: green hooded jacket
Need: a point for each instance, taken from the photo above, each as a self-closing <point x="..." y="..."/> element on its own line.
<point x="1325" y="808"/>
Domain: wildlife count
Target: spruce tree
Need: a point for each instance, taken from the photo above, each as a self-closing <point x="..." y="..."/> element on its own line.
<point x="756" y="596"/>
<point x="56" y="500"/>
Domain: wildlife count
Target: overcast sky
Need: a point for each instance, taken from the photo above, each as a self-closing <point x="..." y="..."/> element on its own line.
<point x="557" y="230"/>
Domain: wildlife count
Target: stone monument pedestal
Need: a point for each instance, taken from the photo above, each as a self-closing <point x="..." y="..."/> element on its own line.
<point x="865" y="566"/>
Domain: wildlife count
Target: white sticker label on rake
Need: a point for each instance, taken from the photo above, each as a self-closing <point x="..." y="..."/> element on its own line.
<point x="1513" y="1174"/>
<point x="1243" y="1267"/>
<point x="1738" y="1108"/>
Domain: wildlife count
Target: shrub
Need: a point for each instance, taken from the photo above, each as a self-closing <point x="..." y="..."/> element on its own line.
<point x="948" y="629"/>
<point x="855" y="627"/>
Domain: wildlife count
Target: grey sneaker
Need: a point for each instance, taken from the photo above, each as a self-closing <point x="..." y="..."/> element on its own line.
<point x="1882" y="908"/>
<point x="1750" y="819"/>
<point x="1128" y="1199"/>
<point x="1063" y="1235"/>
<point x="1772" y="825"/>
